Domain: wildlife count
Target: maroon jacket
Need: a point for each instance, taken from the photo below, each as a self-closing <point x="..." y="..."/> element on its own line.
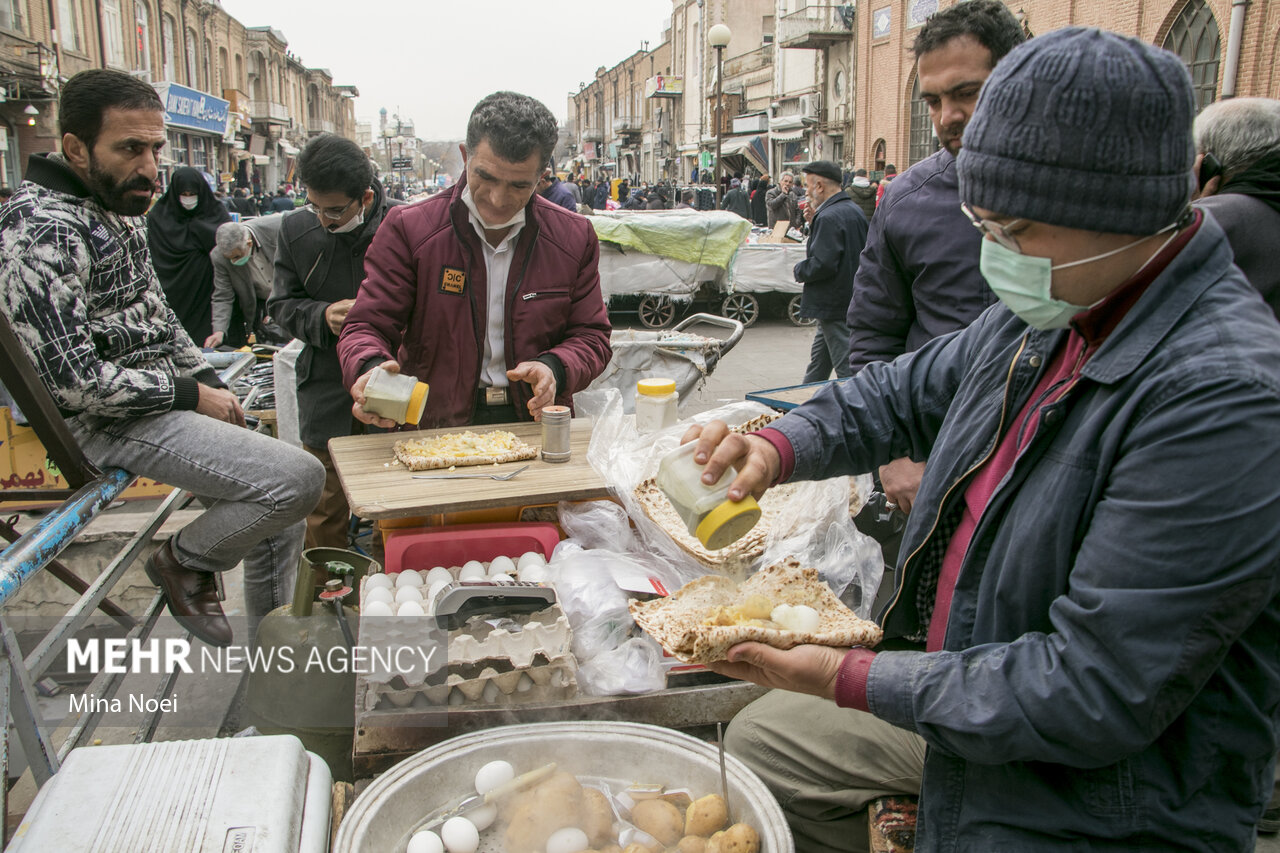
<point x="424" y="299"/>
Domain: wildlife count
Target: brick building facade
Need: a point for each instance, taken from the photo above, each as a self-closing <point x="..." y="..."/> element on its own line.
<point x="201" y="60"/>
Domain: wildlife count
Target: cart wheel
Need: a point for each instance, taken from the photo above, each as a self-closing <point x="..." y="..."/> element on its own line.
<point x="742" y="307"/>
<point x="793" y="314"/>
<point x="656" y="312"/>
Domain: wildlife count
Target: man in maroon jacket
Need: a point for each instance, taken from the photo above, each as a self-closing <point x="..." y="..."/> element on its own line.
<point x="488" y="292"/>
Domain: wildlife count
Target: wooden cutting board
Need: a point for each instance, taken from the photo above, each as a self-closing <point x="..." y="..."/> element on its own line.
<point x="377" y="487"/>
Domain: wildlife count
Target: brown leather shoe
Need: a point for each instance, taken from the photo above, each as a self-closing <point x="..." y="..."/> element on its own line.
<point x="192" y="596"/>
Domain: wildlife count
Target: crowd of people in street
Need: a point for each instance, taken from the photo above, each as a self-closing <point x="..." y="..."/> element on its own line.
<point x="1045" y="354"/>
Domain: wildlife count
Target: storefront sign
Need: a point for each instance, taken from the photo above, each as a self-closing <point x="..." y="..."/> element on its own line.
<point x="664" y="86"/>
<point x="194" y="110"/>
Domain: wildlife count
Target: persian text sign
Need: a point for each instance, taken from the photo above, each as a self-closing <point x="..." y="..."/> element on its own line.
<point x="189" y="108"/>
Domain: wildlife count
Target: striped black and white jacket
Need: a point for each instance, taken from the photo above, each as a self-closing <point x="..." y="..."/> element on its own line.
<point x="78" y="287"/>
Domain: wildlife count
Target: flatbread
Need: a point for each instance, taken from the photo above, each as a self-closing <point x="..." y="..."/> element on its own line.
<point x="462" y="448"/>
<point x="680" y="622"/>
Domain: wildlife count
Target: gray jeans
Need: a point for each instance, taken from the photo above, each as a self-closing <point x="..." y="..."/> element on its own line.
<point x="830" y="350"/>
<point x="824" y="764"/>
<point x="257" y="492"/>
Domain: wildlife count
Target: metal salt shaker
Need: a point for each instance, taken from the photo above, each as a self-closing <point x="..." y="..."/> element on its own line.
<point x="555" y="434"/>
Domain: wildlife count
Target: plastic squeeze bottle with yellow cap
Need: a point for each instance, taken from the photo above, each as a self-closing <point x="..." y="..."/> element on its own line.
<point x="706" y="510"/>
<point x="396" y="396"/>
<point x="656" y="404"/>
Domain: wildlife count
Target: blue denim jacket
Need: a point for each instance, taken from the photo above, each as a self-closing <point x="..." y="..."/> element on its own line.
<point x="1111" y="669"/>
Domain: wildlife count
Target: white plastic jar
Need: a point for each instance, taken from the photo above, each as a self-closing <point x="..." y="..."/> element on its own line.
<point x="705" y="510"/>
<point x="656" y="404"/>
<point x="396" y="396"/>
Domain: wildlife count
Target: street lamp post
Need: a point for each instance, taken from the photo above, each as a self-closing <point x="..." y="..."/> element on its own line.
<point x="718" y="36"/>
<point x="399" y="140"/>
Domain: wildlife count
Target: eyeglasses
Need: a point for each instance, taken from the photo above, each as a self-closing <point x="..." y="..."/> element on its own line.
<point x="332" y="214"/>
<point x="999" y="231"/>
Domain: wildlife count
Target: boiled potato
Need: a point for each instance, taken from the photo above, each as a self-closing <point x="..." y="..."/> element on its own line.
<point x="596" y="818"/>
<point x="706" y="815"/>
<point x="739" y="838"/>
<point x="660" y="819"/>
<point x="692" y="844"/>
<point x="610" y="848"/>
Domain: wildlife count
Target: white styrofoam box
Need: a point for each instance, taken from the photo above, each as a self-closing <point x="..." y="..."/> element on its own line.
<point x="264" y="794"/>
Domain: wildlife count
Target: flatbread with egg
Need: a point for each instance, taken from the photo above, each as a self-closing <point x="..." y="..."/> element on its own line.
<point x="701" y="621"/>
<point x="462" y="448"/>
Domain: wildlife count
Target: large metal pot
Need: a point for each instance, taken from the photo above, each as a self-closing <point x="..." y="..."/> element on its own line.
<point x="381" y="818"/>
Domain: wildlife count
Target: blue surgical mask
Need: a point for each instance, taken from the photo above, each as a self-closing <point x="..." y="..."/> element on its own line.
<point x="1024" y="282"/>
<point x="242" y="261"/>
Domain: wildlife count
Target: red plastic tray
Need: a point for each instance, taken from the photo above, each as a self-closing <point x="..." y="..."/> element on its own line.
<point x="426" y="547"/>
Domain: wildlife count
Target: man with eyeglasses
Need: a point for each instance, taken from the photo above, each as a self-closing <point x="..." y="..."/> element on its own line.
<point x="487" y="292"/>
<point x="318" y="269"/>
<point x="1100" y="666"/>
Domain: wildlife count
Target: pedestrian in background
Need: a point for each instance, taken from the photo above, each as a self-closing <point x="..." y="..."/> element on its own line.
<point x="181" y="231"/>
<point x="863" y="192"/>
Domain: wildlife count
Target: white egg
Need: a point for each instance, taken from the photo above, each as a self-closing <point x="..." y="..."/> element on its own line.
<point x="535" y="574"/>
<point x="377" y="608"/>
<point x="376" y="581"/>
<point x="502" y="566"/>
<point x="411" y="608"/>
<point x="492" y="775"/>
<point x="460" y="835"/>
<point x="408" y="578"/>
<point x="568" y="840"/>
<point x="408" y="593"/>
<point x="501" y="578"/>
<point x="483" y="817"/>
<point x="472" y="571"/>
<point x="425" y="842"/>
<point x="378" y="593"/>
<point x="801" y="617"/>
<point x="439" y="573"/>
<point x="531" y="558"/>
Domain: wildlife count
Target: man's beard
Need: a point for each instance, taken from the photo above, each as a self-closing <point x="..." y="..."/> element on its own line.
<point x="113" y="196"/>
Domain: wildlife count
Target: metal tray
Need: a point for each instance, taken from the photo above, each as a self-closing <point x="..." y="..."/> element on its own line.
<point x="618" y="754"/>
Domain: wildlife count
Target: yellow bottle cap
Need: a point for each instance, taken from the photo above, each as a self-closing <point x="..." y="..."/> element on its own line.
<point x="417" y="403"/>
<point x="656" y="387"/>
<point x="728" y="523"/>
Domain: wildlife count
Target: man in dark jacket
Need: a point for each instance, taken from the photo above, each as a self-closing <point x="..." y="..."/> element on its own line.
<point x="836" y="237"/>
<point x="600" y="200"/>
<point x="242" y="204"/>
<point x="319" y="267"/>
<point x="781" y="203"/>
<point x="735" y="201"/>
<point x="488" y="292"/>
<point x="1100" y="666"/>
<point x="1243" y="137"/>
<point x="863" y="193"/>
<point x="281" y="203"/>
<point x="919" y="274"/>
<point x="555" y="191"/>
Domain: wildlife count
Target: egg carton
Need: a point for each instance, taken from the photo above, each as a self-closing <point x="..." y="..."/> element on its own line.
<point x="550" y="681"/>
<point x="518" y="639"/>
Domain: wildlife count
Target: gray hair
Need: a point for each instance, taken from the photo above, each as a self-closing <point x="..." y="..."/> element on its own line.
<point x="231" y="236"/>
<point x="1239" y="132"/>
<point x="515" y="126"/>
<point x="787" y="173"/>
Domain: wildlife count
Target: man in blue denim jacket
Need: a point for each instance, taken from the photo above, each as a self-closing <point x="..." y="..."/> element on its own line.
<point x="1092" y="563"/>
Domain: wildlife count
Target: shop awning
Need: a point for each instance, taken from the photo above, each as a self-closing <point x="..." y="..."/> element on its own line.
<point x="788" y="128"/>
<point x="261" y="160"/>
<point x="751" y="147"/>
<point x="287" y="148"/>
<point x="787" y="135"/>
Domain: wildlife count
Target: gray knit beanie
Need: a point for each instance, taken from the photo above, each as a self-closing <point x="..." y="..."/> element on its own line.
<point x="1082" y="128"/>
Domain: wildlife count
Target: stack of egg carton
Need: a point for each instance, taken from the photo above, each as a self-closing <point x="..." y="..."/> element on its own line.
<point x="497" y="660"/>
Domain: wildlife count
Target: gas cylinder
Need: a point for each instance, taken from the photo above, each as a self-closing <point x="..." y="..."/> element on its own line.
<point x="303" y="682"/>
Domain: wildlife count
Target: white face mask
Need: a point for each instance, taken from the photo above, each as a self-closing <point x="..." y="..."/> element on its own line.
<point x="189" y="201"/>
<point x="351" y="224"/>
<point x="1024" y="283"/>
<point x="518" y="219"/>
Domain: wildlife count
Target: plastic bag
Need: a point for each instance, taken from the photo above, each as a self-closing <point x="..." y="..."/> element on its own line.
<point x="594" y="603"/>
<point x="597" y="524"/>
<point x="633" y="667"/>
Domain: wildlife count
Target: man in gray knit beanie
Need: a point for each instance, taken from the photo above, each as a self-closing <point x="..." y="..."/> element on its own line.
<point x="1085" y="644"/>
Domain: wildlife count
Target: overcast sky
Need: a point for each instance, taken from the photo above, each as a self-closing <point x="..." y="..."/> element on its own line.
<point x="432" y="60"/>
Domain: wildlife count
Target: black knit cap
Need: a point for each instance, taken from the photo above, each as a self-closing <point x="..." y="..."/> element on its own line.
<point x="824" y="169"/>
<point x="1085" y="129"/>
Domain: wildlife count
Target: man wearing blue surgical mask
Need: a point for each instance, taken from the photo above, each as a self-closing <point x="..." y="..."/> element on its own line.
<point x="319" y="265"/>
<point x="1099" y="668"/>
<point x="243" y="267"/>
